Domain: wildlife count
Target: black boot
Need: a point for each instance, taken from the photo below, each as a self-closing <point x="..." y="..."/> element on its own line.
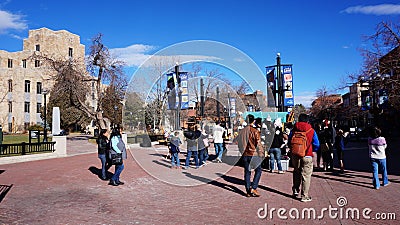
<point x="113" y="183"/>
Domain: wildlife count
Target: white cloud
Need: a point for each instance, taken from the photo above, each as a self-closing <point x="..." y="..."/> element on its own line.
<point x="383" y="9"/>
<point x="305" y="99"/>
<point x="9" y="21"/>
<point x="135" y="55"/>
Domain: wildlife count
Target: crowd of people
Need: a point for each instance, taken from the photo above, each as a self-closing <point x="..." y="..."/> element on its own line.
<point x="261" y="143"/>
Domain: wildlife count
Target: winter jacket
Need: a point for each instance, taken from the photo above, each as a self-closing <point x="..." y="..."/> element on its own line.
<point x="118" y="146"/>
<point x="377" y="147"/>
<point x="312" y="137"/>
<point x="249" y="142"/>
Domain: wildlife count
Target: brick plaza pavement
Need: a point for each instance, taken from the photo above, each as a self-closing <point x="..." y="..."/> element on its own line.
<point x="69" y="191"/>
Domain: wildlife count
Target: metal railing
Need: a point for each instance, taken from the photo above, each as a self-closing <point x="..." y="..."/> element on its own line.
<point x="26" y="148"/>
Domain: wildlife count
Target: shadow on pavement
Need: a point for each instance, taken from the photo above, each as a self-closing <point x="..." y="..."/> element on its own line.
<point x="4" y="189"/>
<point x="162" y="164"/>
<point x="352" y="182"/>
<point x="217" y="183"/>
<point x="97" y="171"/>
<point x="238" y="181"/>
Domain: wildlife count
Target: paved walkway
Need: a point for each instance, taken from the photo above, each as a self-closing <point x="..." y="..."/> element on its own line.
<point x="69" y="191"/>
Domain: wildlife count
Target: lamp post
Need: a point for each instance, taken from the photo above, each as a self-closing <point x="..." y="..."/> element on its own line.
<point x="178" y="109"/>
<point x="115" y="115"/>
<point x="44" y="92"/>
<point x="218" y="113"/>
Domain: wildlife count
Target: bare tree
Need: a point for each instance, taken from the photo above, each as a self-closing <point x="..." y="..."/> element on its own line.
<point x="157" y="97"/>
<point x="325" y="104"/>
<point x="381" y="67"/>
<point x="73" y="85"/>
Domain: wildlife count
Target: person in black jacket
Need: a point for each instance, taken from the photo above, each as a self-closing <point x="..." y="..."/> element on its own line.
<point x="103" y="147"/>
<point x="275" y="150"/>
<point x="192" y="138"/>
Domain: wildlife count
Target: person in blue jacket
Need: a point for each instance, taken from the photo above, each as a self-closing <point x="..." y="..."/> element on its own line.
<point x="118" y="146"/>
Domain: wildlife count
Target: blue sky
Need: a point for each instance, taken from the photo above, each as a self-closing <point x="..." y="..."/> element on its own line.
<point x="320" y="38"/>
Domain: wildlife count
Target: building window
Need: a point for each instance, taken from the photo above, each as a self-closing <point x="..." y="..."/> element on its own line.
<point x="10" y="127"/>
<point x="70" y="52"/>
<point x="38" y="88"/>
<point x="10" y="63"/>
<point x="27" y="86"/>
<point x="26" y="107"/>
<point x="37" y="63"/>
<point x="38" y="107"/>
<point x="93" y="96"/>
<point x="10" y="86"/>
<point x="24" y="63"/>
<point x="37" y="48"/>
<point x="10" y="106"/>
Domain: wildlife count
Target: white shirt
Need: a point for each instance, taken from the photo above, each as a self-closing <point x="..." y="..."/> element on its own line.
<point x="218" y="132"/>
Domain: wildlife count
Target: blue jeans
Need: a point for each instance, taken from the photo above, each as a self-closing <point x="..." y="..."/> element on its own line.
<point x="195" y="156"/>
<point x="117" y="173"/>
<point x="252" y="162"/>
<point x="201" y="156"/>
<point x="175" y="161"/>
<point x="379" y="165"/>
<point x="219" y="149"/>
<point x="103" y="159"/>
<point x="275" y="154"/>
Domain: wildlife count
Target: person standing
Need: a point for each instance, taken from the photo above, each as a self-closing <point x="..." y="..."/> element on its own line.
<point x="202" y="145"/>
<point x="218" y="136"/>
<point x="249" y="143"/>
<point x="327" y="139"/>
<point x="174" y="150"/>
<point x="339" y="145"/>
<point x="192" y="137"/>
<point x="275" y="150"/>
<point x="318" y="129"/>
<point x="103" y="148"/>
<point x="118" y="146"/>
<point x="303" y="166"/>
<point x="377" y="147"/>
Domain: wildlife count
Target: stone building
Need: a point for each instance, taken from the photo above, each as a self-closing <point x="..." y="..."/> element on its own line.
<point x="23" y="79"/>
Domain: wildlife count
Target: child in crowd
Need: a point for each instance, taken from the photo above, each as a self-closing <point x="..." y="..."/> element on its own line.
<point x="174" y="150"/>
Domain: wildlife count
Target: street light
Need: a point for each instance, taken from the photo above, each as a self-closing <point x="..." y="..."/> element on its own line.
<point x="218" y="113"/>
<point x="44" y="92"/>
<point x="115" y="115"/>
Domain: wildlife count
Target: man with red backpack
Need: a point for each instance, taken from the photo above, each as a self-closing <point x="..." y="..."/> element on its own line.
<point x="303" y="141"/>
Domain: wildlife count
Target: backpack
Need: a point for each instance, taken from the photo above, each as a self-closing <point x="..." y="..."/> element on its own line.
<point x="298" y="143"/>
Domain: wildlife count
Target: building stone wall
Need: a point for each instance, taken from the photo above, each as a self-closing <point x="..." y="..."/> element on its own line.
<point x="55" y="44"/>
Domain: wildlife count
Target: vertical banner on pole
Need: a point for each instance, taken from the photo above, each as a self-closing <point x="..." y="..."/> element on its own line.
<point x="171" y="85"/>
<point x="232" y="102"/>
<point x="184" y="88"/>
<point x="287" y="76"/>
<point x="271" y="84"/>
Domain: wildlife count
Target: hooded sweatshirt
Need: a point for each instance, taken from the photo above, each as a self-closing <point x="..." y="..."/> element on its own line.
<point x="377" y="147"/>
<point x="312" y="138"/>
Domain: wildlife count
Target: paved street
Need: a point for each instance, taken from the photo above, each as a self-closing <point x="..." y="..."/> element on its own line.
<point x="69" y="191"/>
